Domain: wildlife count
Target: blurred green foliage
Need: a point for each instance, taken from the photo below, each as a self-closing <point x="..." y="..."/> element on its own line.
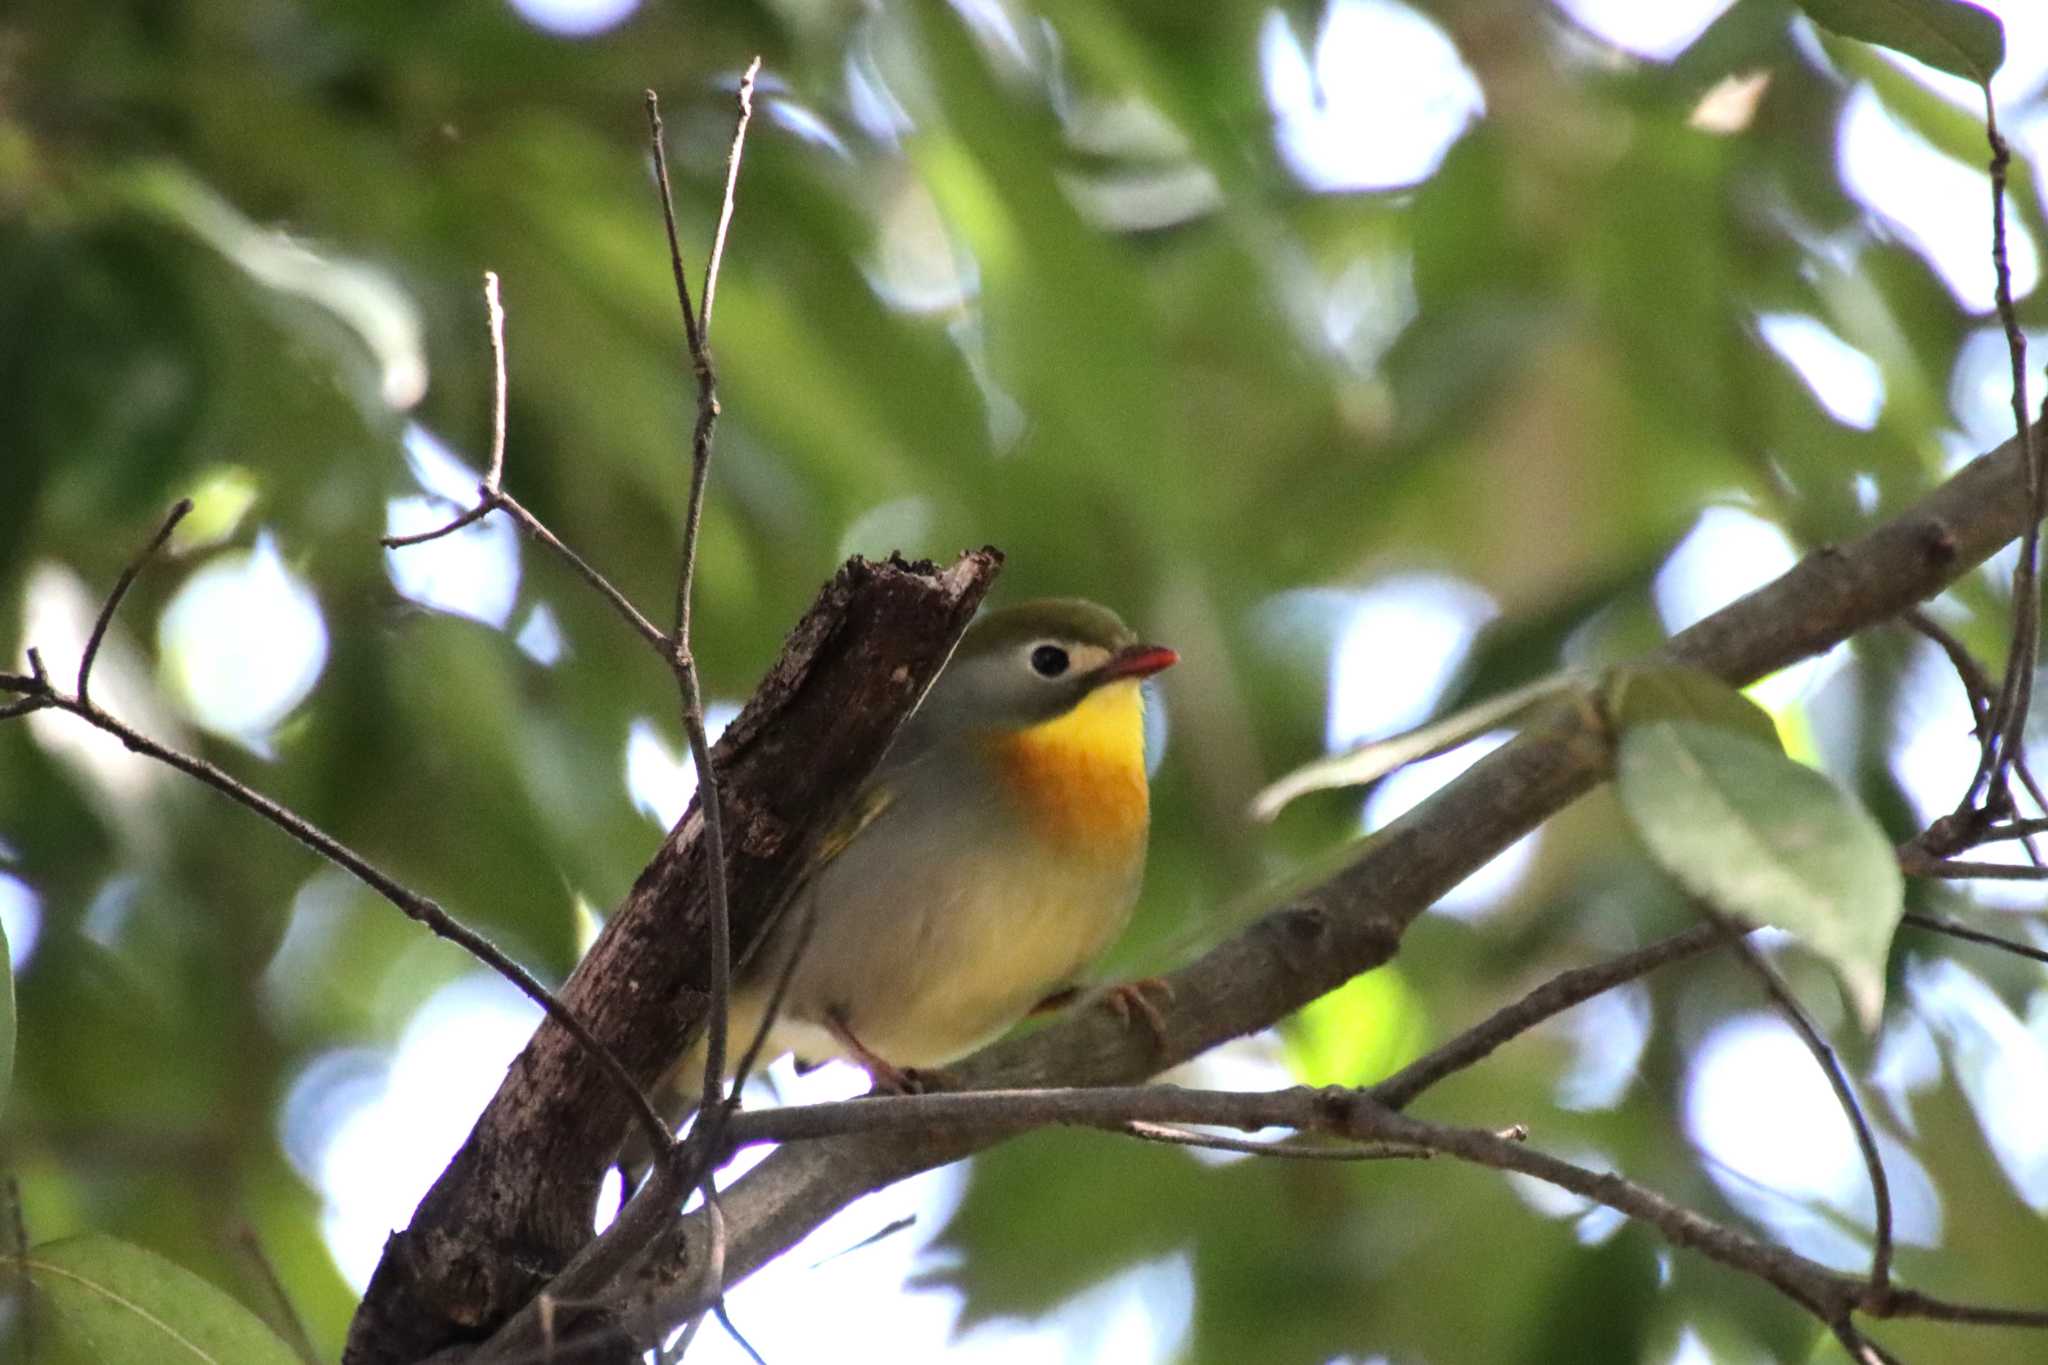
<point x="240" y="247"/>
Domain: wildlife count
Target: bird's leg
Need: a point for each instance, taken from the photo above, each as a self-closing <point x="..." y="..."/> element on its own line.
<point x="885" y="1075"/>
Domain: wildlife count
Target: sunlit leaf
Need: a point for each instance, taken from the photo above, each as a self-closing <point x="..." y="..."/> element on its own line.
<point x="1949" y="35"/>
<point x="1754" y="834"/>
<point x="107" y="1300"/>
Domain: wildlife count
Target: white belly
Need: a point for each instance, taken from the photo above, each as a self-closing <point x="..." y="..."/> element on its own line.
<point x="927" y="962"/>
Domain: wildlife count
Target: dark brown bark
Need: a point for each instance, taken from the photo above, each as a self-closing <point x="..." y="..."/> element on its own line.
<point x="517" y="1200"/>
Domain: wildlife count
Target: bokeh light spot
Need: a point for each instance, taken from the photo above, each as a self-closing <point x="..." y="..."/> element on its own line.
<point x="575" y="18"/>
<point x="243" y="642"/>
<point x="1377" y="104"/>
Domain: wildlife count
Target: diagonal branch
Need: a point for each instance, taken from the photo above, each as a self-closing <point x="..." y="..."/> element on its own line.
<point x="1553" y="997"/>
<point x="1935" y="924"/>
<point x="113" y="603"/>
<point x="1838" y="1080"/>
<point x="492" y="497"/>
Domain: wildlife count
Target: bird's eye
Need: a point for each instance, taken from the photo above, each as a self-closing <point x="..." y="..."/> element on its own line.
<point x="1048" y="661"/>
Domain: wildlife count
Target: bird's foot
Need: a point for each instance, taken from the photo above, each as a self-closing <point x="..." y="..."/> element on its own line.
<point x="886" y="1077"/>
<point x="1129" y="999"/>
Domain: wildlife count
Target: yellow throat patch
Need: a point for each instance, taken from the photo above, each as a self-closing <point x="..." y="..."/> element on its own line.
<point x="1080" y="777"/>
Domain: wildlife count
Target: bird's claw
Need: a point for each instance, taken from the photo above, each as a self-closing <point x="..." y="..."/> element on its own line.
<point x="1129" y="999"/>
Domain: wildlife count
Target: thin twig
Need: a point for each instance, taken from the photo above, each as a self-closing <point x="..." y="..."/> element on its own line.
<point x="492" y="497"/>
<point x="1961" y="869"/>
<point x="2015" y="829"/>
<point x="1909" y="1303"/>
<point x="1935" y="924"/>
<point x="1838" y="1080"/>
<point x="1554" y="996"/>
<point x="732" y="184"/>
<point x="113" y="602"/>
<point x="2009" y="717"/>
<point x="494" y="479"/>
<point x="631" y="614"/>
<point x="880" y="1234"/>
<point x="1979" y="690"/>
<point x="725" y="1320"/>
<point x="697" y="335"/>
<point x="487" y="503"/>
<point x="1862" y="1350"/>
<point x="288" y="1322"/>
<point x="1952" y="835"/>
<point x="415" y="906"/>
<point x="1168" y="1135"/>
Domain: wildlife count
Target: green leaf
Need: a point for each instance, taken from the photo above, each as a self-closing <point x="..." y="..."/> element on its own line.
<point x="1949" y="35"/>
<point x="106" y="1300"/>
<point x="1754" y="834"/>
<point x="1637" y="696"/>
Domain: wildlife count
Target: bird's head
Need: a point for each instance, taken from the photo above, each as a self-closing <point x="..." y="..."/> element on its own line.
<point x="1025" y="666"/>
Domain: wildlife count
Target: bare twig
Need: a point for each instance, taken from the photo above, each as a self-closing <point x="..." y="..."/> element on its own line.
<point x="1838" y="1080"/>
<point x="289" y="1324"/>
<point x="494" y="477"/>
<point x="415" y="906"/>
<point x="1168" y="1135"/>
<point x="1951" y="836"/>
<point x="1908" y="1303"/>
<point x="725" y="1320"/>
<point x="1554" y="996"/>
<point x="1862" y="1350"/>
<point x="492" y="497"/>
<point x="487" y="503"/>
<point x="121" y="586"/>
<point x="697" y="334"/>
<point x="2007" y="725"/>
<point x="1961" y="869"/>
<point x="732" y="184"/>
<point x="1935" y="924"/>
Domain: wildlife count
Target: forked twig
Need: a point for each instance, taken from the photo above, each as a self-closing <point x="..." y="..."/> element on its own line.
<point x="1838" y="1080"/>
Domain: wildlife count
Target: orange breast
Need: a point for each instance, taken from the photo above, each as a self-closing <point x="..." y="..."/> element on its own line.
<point x="1080" y="777"/>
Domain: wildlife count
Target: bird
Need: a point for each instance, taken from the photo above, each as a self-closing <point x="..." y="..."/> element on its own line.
<point x="995" y="853"/>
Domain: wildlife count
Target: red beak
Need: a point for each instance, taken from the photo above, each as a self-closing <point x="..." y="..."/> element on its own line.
<point x="1138" y="661"/>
